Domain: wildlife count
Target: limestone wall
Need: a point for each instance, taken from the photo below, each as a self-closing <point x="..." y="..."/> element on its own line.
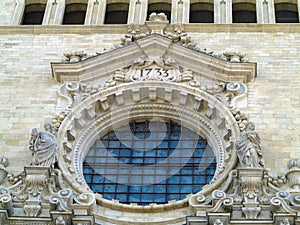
<point x="28" y="91"/>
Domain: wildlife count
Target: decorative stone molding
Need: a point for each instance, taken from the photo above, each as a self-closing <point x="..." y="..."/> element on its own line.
<point x="75" y="56"/>
<point x="293" y="174"/>
<point x="157" y="17"/>
<point x="3" y="170"/>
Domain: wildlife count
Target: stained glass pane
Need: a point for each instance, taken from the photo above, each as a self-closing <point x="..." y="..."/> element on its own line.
<point x="146" y="162"/>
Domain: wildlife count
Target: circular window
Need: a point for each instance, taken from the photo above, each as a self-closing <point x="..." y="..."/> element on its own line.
<point x="149" y="162"/>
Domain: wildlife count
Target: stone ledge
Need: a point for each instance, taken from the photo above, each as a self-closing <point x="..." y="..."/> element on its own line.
<point x="122" y="28"/>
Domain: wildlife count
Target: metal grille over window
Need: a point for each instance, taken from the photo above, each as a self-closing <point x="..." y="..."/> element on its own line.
<point x="149" y="162"/>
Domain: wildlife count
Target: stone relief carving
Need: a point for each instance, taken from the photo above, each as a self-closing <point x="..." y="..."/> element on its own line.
<point x="178" y="35"/>
<point x="3" y="169"/>
<point x="249" y="148"/>
<point x="43" y="146"/>
<point x="75" y="56"/>
<point x="158" y="17"/>
<point x="293" y="174"/>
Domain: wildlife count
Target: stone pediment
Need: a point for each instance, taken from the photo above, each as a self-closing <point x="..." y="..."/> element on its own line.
<point x="203" y="66"/>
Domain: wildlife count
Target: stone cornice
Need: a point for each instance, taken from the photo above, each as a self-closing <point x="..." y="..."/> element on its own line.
<point x="122" y="29"/>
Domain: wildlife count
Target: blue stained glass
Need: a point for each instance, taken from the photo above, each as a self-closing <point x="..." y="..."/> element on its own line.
<point x="173" y="197"/>
<point x="130" y="161"/>
<point x="135" y="189"/>
<point x="197" y="188"/>
<point x="199" y="180"/>
<point x="88" y="170"/>
<point x="160" y="188"/>
<point x="122" y="188"/>
<point x="109" y="188"/>
<point x="109" y="196"/>
<point x="125" y="153"/>
<point x="136" y="179"/>
<point x="175" y="136"/>
<point x="163" y="144"/>
<point x="122" y="197"/>
<point x="186" y="171"/>
<point x="88" y="178"/>
<point x="147" y="198"/>
<point x="201" y="144"/>
<point x="140" y="136"/>
<point x="98" y="179"/>
<point x="137" y="153"/>
<point x="148" y="179"/>
<point x="97" y="187"/>
<point x="160" y="198"/>
<point x="123" y="179"/>
<point x="149" y="160"/>
<point x="114" y="144"/>
<point x="186" y="189"/>
<point x="138" y="145"/>
<point x="173" y="189"/>
<point x="148" y="189"/>
<point x="162" y="153"/>
<point x="137" y="160"/>
<point x="125" y="160"/>
<point x="173" y="180"/>
<point x="186" y="180"/>
<point x="134" y="198"/>
<point x="150" y="145"/>
<point x="149" y="153"/>
<point x="173" y="144"/>
<point x="112" y="135"/>
<point x="208" y="179"/>
<point x="123" y="171"/>
<point x="210" y="171"/>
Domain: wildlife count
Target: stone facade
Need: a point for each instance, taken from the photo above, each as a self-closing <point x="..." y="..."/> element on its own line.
<point x="29" y="90"/>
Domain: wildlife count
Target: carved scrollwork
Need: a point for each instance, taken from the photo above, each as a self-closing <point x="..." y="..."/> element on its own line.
<point x="295" y="201"/>
<point x="6" y="203"/>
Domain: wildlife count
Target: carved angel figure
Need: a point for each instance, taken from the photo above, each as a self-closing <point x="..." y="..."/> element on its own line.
<point x="43" y="146"/>
<point x="249" y="149"/>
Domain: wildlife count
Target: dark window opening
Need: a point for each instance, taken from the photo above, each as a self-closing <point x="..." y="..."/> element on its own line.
<point x="286" y="13"/>
<point x="149" y="162"/>
<point x="201" y="13"/>
<point x="34" y="14"/>
<point x="75" y="13"/>
<point x="244" y="13"/>
<point x="159" y="8"/>
<point x="116" y="13"/>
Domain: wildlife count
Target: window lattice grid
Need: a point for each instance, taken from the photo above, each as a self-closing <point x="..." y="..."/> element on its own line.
<point x="143" y="165"/>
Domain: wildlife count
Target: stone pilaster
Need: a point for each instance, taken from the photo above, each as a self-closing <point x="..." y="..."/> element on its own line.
<point x="19" y="11"/>
<point x="137" y="12"/>
<point x="265" y="11"/>
<point x="222" y="11"/>
<point x="95" y="12"/>
<point x="54" y="13"/>
<point x="298" y="4"/>
<point x="180" y="11"/>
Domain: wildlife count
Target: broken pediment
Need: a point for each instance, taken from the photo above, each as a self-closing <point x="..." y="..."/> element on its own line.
<point x="159" y="51"/>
